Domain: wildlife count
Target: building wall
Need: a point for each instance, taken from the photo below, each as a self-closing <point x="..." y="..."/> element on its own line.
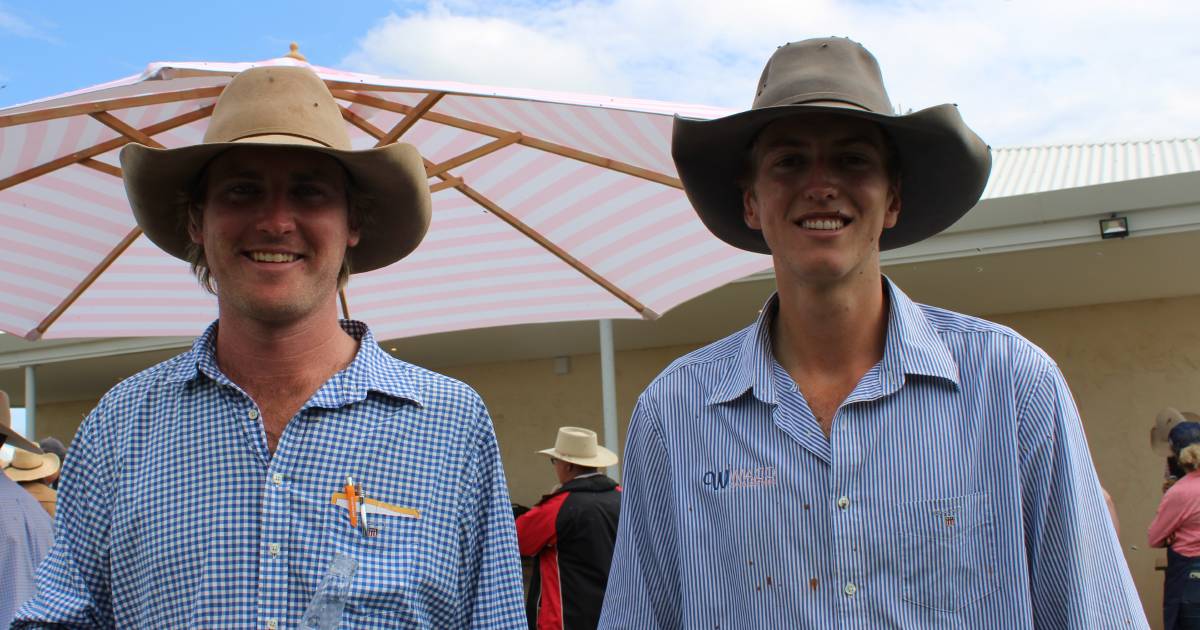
<point x="1124" y="363"/>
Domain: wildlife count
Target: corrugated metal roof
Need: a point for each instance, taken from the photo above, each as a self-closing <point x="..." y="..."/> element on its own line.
<point x="1026" y="170"/>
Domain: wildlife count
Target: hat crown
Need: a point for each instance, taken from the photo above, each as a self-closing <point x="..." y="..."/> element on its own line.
<point x="25" y="460"/>
<point x="278" y="100"/>
<point x="576" y="442"/>
<point x="826" y="70"/>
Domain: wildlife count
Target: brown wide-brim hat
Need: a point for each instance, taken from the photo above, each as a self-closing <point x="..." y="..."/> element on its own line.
<point x="11" y="437"/>
<point x="27" y="466"/>
<point x="284" y="107"/>
<point x="580" y="446"/>
<point x="944" y="166"/>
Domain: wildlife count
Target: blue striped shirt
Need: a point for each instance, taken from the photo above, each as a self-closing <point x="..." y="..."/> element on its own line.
<point x="955" y="490"/>
<point x="174" y="514"/>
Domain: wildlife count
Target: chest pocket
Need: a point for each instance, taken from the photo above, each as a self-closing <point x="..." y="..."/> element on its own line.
<point x="949" y="551"/>
<point x="395" y="579"/>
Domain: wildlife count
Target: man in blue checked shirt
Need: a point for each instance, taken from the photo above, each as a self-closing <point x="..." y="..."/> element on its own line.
<point x="853" y="459"/>
<point x="285" y="472"/>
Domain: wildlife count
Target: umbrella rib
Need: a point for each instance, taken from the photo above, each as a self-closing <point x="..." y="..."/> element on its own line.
<point x="447" y="182"/>
<point x="360" y="122"/>
<point x="108" y="260"/>
<point x="103" y="167"/>
<point x="526" y="140"/>
<point x="108" y="105"/>
<point x="103" y="147"/>
<point x="411" y="118"/>
<point x="121" y="127"/>
<point x="450" y="181"/>
<point x="546" y="243"/>
<point x="475" y="154"/>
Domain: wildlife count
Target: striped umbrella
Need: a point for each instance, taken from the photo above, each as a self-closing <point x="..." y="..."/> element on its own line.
<point x="547" y="207"/>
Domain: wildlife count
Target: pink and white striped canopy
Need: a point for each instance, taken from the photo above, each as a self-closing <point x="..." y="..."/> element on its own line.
<point x="547" y="207"/>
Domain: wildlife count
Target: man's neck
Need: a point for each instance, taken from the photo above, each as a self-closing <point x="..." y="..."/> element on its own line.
<point x="828" y="336"/>
<point x="310" y="349"/>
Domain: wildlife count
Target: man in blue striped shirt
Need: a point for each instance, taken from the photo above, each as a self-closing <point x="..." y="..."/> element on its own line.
<point x="853" y="459"/>
<point x="285" y="472"/>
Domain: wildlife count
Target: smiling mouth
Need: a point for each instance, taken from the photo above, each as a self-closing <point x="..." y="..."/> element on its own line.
<point x="824" y="223"/>
<point x="272" y="257"/>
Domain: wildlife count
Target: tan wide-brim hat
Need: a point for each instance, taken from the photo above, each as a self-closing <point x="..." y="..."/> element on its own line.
<point x="26" y="466"/>
<point x="11" y="437"/>
<point x="580" y="446"/>
<point x="1164" y="422"/>
<point x="284" y="107"/>
<point x="944" y="166"/>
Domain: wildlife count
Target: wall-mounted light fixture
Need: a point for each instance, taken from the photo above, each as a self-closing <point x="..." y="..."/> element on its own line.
<point x="1114" y="227"/>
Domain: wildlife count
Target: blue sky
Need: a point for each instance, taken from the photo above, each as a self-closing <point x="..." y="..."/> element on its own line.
<point x="1023" y="71"/>
<point x="18" y="423"/>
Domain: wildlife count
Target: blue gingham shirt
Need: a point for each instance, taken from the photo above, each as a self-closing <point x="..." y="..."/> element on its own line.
<point x="26" y="533"/>
<point x="174" y="514"/>
<point x="955" y="491"/>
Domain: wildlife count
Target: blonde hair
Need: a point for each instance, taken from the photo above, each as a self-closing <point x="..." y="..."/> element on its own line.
<point x="1189" y="458"/>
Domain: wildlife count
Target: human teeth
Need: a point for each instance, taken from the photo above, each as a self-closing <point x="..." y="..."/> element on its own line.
<point x="272" y="258"/>
<point x="823" y="224"/>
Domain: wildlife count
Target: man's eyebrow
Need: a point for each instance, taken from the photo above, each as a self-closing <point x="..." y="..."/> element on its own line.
<point x="800" y="141"/>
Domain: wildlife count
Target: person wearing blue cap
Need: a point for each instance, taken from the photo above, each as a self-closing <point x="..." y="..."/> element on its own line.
<point x="1176" y="526"/>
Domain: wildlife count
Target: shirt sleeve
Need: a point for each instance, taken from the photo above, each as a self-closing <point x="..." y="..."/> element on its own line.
<point x="1166" y="521"/>
<point x="490" y="575"/>
<point x="536" y="528"/>
<point x="74" y="589"/>
<point x="643" y="584"/>
<point x="1078" y="575"/>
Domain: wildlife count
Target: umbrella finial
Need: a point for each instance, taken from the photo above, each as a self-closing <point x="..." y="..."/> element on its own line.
<point x="294" y="53"/>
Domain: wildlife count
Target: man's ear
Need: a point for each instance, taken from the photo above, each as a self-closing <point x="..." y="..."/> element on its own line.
<point x="352" y="238"/>
<point x="750" y="209"/>
<point x="195" y="232"/>
<point x="891" y="215"/>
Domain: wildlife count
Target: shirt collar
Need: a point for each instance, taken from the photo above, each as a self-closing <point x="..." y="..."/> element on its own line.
<point x="912" y="346"/>
<point x="372" y="370"/>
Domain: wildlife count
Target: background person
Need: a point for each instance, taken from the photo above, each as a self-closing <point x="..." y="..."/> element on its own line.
<point x="35" y="472"/>
<point x="54" y="445"/>
<point x="571" y="531"/>
<point x="25" y="529"/>
<point x="1176" y="526"/>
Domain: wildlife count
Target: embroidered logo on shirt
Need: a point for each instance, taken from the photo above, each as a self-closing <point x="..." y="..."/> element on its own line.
<point x="734" y="478"/>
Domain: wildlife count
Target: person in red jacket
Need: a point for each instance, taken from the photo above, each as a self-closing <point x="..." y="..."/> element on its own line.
<point x="572" y="531"/>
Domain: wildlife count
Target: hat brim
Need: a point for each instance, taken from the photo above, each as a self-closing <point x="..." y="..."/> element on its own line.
<point x="603" y="458"/>
<point x="49" y="466"/>
<point x="1160" y="435"/>
<point x="944" y="168"/>
<point x="392" y="177"/>
<point x="16" y="440"/>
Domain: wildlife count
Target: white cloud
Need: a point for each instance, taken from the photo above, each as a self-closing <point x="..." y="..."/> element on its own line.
<point x="15" y="25"/>
<point x="1023" y="72"/>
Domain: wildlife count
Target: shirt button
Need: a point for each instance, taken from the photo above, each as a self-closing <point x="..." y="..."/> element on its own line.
<point x="273" y="549"/>
<point x="843" y="502"/>
<point x="850" y="589"/>
<point x="277" y="479"/>
<point x="252" y="414"/>
<point x="272" y="624"/>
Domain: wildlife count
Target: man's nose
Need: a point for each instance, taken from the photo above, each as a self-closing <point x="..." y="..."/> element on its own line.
<point x="820" y="182"/>
<point x="277" y="215"/>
